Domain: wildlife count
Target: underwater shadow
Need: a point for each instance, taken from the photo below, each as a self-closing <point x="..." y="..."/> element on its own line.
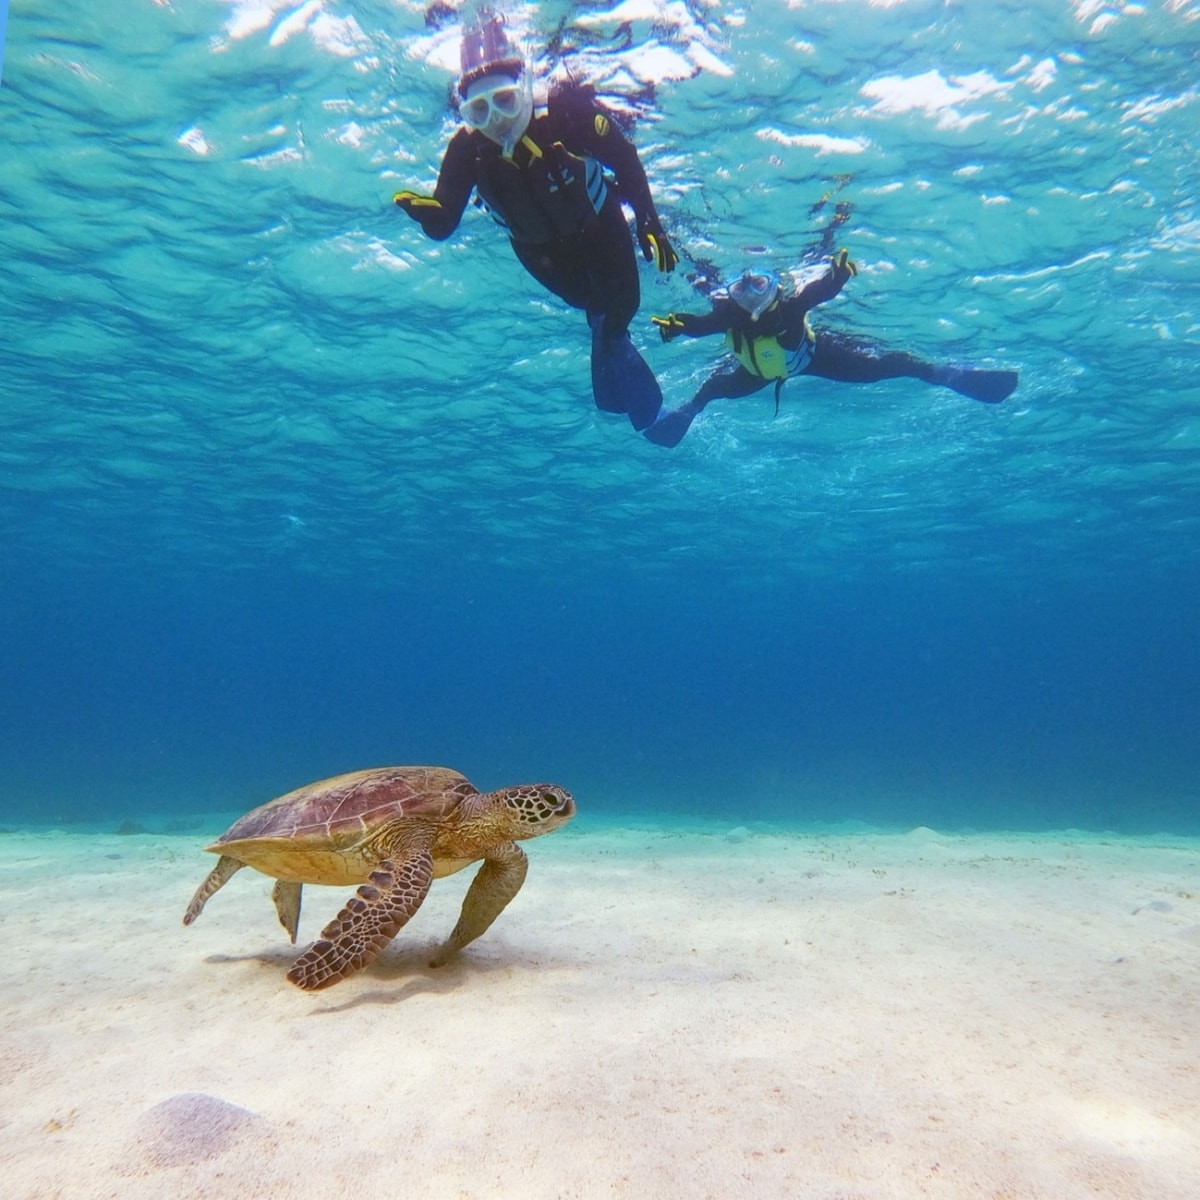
<point x="409" y="969"/>
<point x="415" y="977"/>
<point x="268" y="958"/>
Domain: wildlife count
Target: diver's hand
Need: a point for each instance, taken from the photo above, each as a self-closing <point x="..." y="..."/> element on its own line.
<point x="416" y="205"/>
<point x="655" y="246"/>
<point x="843" y="268"/>
<point x="669" y="326"/>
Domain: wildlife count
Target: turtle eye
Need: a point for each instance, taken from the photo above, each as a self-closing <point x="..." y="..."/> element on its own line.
<point x="556" y="802"/>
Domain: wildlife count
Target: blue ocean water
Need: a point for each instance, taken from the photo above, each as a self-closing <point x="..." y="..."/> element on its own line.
<point x="288" y="490"/>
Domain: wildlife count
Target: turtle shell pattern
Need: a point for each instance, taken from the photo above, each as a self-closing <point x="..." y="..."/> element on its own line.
<point x="321" y="833"/>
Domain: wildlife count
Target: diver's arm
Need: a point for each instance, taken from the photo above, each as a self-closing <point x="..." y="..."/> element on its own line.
<point x="595" y="133"/>
<point x="439" y="214"/>
<point x="823" y="288"/>
<point x="719" y="320"/>
<point x="633" y="187"/>
<point x="826" y="286"/>
<point x="603" y="140"/>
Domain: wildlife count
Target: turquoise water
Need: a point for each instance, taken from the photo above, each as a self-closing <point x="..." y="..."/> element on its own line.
<point x="287" y="490"/>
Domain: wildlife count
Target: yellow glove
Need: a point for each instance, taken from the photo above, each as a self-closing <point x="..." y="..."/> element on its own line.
<point x="413" y="201"/>
<point x="669" y="326"/>
<point x="656" y="248"/>
<point x="843" y="268"/>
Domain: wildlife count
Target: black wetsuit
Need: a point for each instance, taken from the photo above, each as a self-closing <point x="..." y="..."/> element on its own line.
<point x="562" y="214"/>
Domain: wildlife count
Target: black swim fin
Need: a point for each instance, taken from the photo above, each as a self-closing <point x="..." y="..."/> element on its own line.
<point x="621" y="380"/>
<point x="671" y="426"/>
<point x="988" y="386"/>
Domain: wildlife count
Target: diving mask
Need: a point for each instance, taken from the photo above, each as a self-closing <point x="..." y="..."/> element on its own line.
<point x="500" y="107"/>
<point x="755" y="292"/>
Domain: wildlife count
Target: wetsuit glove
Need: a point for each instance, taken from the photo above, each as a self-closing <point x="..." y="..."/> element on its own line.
<point x="416" y="205"/>
<point x="655" y="247"/>
<point x="843" y="268"/>
<point x="669" y="326"/>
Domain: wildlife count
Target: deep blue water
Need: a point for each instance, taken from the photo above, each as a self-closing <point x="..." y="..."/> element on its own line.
<point x="286" y="490"/>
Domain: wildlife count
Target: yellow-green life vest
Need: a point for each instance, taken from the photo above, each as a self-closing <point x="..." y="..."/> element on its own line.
<point x="762" y="356"/>
<point x="766" y="358"/>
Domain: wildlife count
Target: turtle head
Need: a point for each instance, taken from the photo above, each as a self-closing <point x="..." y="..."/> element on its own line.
<point x="537" y="808"/>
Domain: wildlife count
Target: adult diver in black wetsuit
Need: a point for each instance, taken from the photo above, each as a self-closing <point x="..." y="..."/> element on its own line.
<point x="769" y="334"/>
<point x="542" y="178"/>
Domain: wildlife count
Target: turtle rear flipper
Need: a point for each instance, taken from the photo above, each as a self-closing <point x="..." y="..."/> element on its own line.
<point x="496" y="883"/>
<point x="217" y="878"/>
<point x="287" y="904"/>
<point x="371" y="918"/>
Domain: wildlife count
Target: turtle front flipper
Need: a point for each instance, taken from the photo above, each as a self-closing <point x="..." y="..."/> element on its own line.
<point x="287" y="904"/>
<point x="217" y="878"/>
<point x="498" y="881"/>
<point x="371" y="918"/>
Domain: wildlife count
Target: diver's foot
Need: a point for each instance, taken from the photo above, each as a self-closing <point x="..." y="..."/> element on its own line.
<point x="671" y="426"/>
<point x="988" y="386"/>
<point x="621" y="380"/>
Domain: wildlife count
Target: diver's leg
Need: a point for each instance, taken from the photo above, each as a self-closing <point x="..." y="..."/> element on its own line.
<point x="609" y="265"/>
<point x="727" y="382"/>
<point x="595" y="270"/>
<point x="846" y="359"/>
<point x="730" y="381"/>
<point x="553" y="265"/>
<point x="621" y="380"/>
<point x="598" y="274"/>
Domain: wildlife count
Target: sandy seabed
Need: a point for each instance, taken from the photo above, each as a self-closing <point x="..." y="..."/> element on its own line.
<point x="699" y="1013"/>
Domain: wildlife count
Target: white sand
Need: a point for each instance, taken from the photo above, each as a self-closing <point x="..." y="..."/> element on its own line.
<point x="655" y="1016"/>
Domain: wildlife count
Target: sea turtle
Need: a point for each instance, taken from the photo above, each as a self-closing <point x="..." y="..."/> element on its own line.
<point x="393" y="830"/>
